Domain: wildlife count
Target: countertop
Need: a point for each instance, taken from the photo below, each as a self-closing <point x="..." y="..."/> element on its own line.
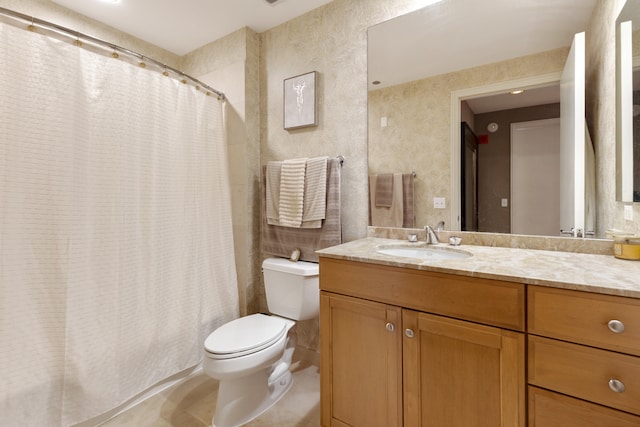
<point x="568" y="270"/>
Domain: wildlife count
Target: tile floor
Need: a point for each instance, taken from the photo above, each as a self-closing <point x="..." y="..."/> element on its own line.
<point x="192" y="403"/>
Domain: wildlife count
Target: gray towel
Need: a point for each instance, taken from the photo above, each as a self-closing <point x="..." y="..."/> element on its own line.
<point x="408" y="211"/>
<point x="384" y="190"/>
<point x="280" y="241"/>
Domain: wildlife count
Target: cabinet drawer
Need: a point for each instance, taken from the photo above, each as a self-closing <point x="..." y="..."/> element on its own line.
<point x="585" y="372"/>
<point x="548" y="409"/>
<point x="492" y="302"/>
<point x="585" y="318"/>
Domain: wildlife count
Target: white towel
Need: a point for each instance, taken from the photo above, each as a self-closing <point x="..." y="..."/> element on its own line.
<point x="315" y="193"/>
<point x="272" y="187"/>
<point x="291" y="203"/>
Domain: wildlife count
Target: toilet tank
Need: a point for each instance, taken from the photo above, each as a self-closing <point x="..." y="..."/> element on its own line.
<point x="292" y="288"/>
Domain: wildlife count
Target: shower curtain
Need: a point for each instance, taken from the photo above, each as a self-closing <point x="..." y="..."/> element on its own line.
<point x="116" y="247"/>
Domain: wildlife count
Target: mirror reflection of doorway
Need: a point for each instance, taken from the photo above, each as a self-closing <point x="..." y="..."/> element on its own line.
<point x="494" y="152"/>
<point x="535" y="174"/>
<point x="469" y="179"/>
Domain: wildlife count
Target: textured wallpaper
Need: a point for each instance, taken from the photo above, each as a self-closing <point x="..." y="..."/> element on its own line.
<point x="331" y="40"/>
<point x="601" y="115"/>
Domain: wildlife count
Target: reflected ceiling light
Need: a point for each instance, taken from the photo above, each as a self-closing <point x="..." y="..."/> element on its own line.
<point x="517" y="92"/>
<point x="110" y="1"/>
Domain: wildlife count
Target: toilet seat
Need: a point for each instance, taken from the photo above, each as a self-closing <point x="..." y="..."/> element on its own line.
<point x="245" y="335"/>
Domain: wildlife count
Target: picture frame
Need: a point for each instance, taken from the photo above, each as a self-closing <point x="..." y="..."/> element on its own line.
<point x="301" y="101"/>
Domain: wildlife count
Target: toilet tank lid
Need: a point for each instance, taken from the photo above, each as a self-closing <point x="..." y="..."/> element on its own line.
<point x="301" y="268"/>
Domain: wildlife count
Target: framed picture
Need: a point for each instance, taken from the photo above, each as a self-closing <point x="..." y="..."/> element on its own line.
<point x="300" y="101"/>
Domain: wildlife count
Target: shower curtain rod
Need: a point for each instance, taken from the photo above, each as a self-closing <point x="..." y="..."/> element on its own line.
<point x="75" y="34"/>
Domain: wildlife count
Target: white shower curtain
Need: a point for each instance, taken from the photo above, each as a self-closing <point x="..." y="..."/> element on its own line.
<point x="116" y="247"/>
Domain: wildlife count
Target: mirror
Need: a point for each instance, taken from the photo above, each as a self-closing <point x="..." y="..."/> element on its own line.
<point x="628" y="103"/>
<point x="417" y="105"/>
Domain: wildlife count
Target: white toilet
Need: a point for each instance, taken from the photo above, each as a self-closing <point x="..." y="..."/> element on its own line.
<point x="251" y="356"/>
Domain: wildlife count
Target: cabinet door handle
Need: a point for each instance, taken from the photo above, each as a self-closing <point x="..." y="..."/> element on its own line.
<point x="390" y="327"/>
<point x="616" y="326"/>
<point x="616" y="385"/>
<point x="409" y="333"/>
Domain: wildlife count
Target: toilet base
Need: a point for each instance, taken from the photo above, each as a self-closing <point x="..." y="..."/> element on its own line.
<point x="244" y="399"/>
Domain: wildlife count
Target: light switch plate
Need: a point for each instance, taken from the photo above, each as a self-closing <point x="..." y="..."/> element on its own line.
<point x="439" y="203"/>
<point x="628" y="213"/>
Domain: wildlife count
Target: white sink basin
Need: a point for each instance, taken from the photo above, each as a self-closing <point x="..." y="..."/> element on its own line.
<point x="427" y="253"/>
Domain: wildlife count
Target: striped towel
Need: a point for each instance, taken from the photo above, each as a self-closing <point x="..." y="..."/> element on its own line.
<point x="292" y="192"/>
<point x="280" y="241"/>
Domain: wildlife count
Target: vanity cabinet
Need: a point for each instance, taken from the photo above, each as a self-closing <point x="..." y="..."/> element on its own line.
<point x="584" y="358"/>
<point x="405" y="347"/>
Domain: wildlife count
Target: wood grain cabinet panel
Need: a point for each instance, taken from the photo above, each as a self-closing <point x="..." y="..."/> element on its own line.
<point x="491" y="302"/>
<point x="461" y="374"/>
<point x="361" y="363"/>
<point x="548" y="409"/>
<point x="585" y="372"/>
<point x="604" y="321"/>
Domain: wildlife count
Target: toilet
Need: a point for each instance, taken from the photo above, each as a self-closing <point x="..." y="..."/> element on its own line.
<point x="251" y="356"/>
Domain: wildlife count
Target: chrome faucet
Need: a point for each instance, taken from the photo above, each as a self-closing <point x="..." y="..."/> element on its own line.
<point x="432" y="235"/>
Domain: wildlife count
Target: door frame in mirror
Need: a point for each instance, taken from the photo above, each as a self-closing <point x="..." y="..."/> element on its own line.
<point x="460" y="95"/>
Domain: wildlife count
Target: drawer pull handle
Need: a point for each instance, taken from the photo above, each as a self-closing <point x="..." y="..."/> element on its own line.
<point x="616" y="326"/>
<point x="616" y="385"/>
<point x="409" y="333"/>
<point x="390" y="327"/>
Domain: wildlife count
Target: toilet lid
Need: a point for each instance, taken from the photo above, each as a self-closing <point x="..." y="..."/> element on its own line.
<point x="245" y="335"/>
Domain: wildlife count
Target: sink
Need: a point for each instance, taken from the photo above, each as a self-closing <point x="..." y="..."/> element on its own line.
<point x="426" y="253"/>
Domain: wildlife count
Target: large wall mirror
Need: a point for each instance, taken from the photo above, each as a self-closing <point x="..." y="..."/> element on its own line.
<point x="628" y="105"/>
<point x="462" y="58"/>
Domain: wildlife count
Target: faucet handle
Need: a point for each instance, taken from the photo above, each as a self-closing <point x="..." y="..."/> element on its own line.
<point x="432" y="236"/>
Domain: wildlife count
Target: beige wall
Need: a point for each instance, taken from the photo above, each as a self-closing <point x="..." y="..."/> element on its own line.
<point x="333" y="41"/>
<point x="601" y="110"/>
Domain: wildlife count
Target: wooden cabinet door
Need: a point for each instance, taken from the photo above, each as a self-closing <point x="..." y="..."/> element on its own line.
<point x="460" y="374"/>
<point x="361" y="362"/>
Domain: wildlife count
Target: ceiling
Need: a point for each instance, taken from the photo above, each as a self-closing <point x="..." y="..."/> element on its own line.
<point x="181" y="26"/>
<point x="452" y="35"/>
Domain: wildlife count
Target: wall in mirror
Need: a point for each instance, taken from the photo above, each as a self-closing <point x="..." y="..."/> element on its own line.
<point x="410" y="121"/>
<point x="628" y="102"/>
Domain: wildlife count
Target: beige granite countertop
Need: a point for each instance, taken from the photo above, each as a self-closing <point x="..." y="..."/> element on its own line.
<point x="579" y="271"/>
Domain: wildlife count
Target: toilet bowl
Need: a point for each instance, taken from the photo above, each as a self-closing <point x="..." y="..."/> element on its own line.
<point x="251" y="356"/>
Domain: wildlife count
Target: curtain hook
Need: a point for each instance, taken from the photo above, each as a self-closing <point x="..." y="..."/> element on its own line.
<point x="31" y="27"/>
<point x="77" y="42"/>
